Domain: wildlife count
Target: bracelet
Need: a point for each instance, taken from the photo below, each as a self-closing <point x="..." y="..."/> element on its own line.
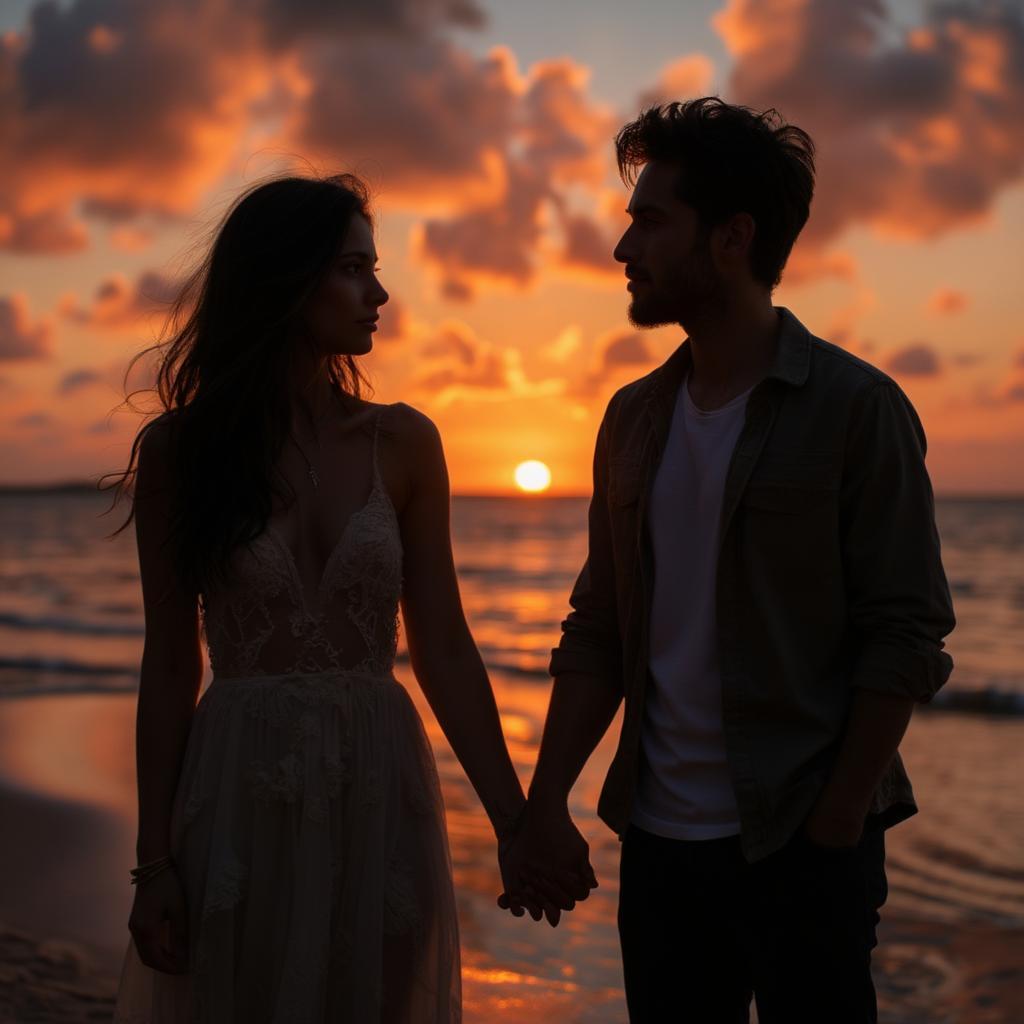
<point x="144" y="872"/>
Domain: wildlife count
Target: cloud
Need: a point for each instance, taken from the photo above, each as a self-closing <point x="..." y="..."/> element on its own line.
<point x="118" y="304"/>
<point x="459" y="364"/>
<point x="35" y="421"/>
<point x="78" y="380"/>
<point x="615" y="351"/>
<point x="807" y="266"/>
<point x="19" y="337"/>
<point x="588" y="246"/>
<point x="466" y="363"/>
<point x="565" y="345"/>
<point x="51" y="231"/>
<point x="945" y="301"/>
<point x="117" y="108"/>
<point x="968" y="358"/>
<point x="681" y="79"/>
<point x="421" y="116"/>
<point x="563" y="133"/>
<point x="916" y="360"/>
<point x="626" y="348"/>
<point x="453" y="338"/>
<point x="113" y="110"/>
<point x="559" y="144"/>
<point x="917" y="136"/>
<point x="395" y="322"/>
<point x="491" y="243"/>
<point x="125" y="115"/>
<point x="287" y="20"/>
<point x="132" y="238"/>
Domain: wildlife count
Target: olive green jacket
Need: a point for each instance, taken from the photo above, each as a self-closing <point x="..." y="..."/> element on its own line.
<point x="829" y="577"/>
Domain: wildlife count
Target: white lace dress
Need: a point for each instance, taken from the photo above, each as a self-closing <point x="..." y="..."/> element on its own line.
<point x="308" y="828"/>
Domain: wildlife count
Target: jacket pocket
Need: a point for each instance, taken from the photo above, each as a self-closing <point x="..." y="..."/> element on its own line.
<point x="793" y="483"/>
<point x="785" y="499"/>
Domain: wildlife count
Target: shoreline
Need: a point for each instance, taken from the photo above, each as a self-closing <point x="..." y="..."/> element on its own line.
<point x="972" y="974"/>
<point x="67" y="788"/>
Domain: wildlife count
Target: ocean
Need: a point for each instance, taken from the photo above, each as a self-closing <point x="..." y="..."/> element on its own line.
<point x="71" y="624"/>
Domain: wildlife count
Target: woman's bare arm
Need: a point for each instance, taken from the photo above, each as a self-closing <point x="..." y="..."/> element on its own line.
<point x="172" y="664"/>
<point x="444" y="655"/>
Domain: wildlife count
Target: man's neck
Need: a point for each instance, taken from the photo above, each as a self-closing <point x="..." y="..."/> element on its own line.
<point x="732" y="348"/>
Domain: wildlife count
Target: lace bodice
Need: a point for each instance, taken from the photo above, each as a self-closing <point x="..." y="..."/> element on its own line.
<point x="262" y="622"/>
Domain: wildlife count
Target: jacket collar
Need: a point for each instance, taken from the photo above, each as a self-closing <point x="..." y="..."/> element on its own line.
<point x="791" y="364"/>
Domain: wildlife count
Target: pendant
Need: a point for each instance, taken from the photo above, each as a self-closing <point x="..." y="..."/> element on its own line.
<point x="314" y="478"/>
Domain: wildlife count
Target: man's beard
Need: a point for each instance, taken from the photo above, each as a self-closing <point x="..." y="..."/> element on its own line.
<point x="696" y="290"/>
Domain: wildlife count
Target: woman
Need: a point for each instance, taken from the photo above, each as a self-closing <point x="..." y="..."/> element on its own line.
<point x="293" y="860"/>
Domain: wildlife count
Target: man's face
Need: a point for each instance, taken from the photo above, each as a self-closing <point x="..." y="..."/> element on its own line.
<point x="667" y="255"/>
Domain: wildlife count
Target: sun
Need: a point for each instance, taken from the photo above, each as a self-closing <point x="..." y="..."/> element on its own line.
<point x="533" y="476"/>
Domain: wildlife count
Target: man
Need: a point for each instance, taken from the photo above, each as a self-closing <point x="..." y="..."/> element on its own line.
<point x="763" y="589"/>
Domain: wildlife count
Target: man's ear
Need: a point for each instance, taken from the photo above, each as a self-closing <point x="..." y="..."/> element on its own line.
<point x="737" y="236"/>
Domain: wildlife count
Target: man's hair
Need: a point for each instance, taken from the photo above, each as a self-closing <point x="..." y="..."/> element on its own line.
<point x="731" y="160"/>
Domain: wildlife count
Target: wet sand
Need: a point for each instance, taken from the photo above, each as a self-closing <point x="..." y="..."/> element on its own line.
<point x="67" y="805"/>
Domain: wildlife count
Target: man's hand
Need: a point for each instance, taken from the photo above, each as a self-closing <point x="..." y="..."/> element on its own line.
<point x="833" y="827"/>
<point x="545" y="864"/>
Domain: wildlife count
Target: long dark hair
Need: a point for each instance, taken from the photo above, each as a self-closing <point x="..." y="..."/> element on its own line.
<point x="223" y="365"/>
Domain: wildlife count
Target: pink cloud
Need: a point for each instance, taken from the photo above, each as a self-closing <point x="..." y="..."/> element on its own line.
<point x="120" y="305"/>
<point x="395" y="322"/>
<point x="915" y="137"/>
<point x="917" y="360"/>
<point x="142" y="116"/>
<point x="626" y="348"/>
<point x="968" y="358"/>
<point x="808" y="265"/>
<point x="20" y="338"/>
<point x="455" y="339"/>
<point x="560" y="141"/>
<point x="564" y="134"/>
<point x="35" y="421"/>
<point x="616" y="351"/>
<point x="684" y="77"/>
<point x="946" y="301"/>
<point x="589" y="246"/>
<point x="423" y="117"/>
<point x="79" y="380"/>
<point x="493" y="242"/>
<point x="462" y="361"/>
<point x="114" y="110"/>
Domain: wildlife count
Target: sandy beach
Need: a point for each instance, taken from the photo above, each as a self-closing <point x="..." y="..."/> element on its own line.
<point x="68" y="804"/>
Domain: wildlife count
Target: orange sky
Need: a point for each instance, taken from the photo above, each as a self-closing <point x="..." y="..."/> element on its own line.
<point x="488" y="144"/>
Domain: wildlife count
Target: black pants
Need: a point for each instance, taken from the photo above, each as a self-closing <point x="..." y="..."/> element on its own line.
<point x="703" y="931"/>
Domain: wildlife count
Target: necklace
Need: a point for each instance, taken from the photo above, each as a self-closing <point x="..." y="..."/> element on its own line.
<point x="309" y="465"/>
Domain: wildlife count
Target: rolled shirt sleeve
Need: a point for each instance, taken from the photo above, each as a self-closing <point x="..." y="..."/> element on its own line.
<point x="898" y="598"/>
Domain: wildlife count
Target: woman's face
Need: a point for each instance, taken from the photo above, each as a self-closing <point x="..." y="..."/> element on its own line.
<point x="342" y="313"/>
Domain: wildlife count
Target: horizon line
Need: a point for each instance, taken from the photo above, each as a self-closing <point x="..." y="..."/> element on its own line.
<point x="90" y="486"/>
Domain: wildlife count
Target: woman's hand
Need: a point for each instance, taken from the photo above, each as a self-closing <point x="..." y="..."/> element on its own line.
<point x="159" y="923"/>
<point x="545" y="865"/>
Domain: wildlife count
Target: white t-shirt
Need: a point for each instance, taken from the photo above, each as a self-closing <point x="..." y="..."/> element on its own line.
<point x="685" y="790"/>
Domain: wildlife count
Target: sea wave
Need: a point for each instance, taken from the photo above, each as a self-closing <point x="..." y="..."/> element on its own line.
<point x="985" y="700"/>
<point x="63" y="624"/>
<point x="36" y="677"/>
<point x="31" y="675"/>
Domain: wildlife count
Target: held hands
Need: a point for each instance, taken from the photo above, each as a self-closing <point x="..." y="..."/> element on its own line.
<point x="545" y="863"/>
